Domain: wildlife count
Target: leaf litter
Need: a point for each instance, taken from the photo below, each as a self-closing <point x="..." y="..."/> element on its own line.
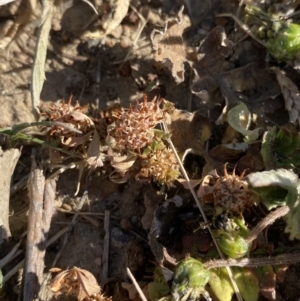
<point x="230" y="105"/>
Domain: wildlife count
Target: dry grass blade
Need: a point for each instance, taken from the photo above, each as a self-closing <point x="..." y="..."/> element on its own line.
<point x="236" y="289"/>
<point x="136" y="285"/>
<point x="17" y="267"/>
<point x="244" y="27"/>
<point x="105" y="255"/>
<point x="10" y="255"/>
<point x="38" y="69"/>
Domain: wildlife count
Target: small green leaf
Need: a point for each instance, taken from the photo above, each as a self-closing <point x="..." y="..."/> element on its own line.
<point x="247" y="283"/>
<point x="220" y="284"/>
<point x="239" y="117"/>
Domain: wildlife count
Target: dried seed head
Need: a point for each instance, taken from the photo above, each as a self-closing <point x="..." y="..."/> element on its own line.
<point x="228" y="193"/>
<point x="72" y="116"/>
<point x="161" y="166"/>
<point x="133" y="128"/>
<point x="231" y="193"/>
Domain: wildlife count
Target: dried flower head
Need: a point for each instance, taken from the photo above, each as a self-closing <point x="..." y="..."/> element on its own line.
<point x="229" y="193"/>
<point x="78" y="282"/>
<point x="133" y="128"/>
<point x="72" y="116"/>
<point x="161" y="166"/>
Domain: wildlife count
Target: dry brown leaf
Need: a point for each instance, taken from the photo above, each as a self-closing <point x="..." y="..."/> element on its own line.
<point x="78" y="282"/>
<point x="168" y="45"/>
<point x="75" y="141"/>
<point x="123" y="163"/>
<point x="290" y="94"/>
<point x="93" y="153"/>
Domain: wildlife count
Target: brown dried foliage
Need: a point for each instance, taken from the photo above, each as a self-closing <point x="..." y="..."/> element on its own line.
<point x="78" y="282"/>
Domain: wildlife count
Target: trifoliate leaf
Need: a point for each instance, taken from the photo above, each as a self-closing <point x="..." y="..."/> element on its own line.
<point x="239" y="117"/>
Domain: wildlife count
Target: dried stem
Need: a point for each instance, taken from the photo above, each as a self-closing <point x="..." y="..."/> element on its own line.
<point x="136" y="285"/>
<point x="106" y="246"/>
<point x="42" y="196"/>
<point x="254" y="262"/>
<point x="267" y="221"/>
<point x="244" y="27"/>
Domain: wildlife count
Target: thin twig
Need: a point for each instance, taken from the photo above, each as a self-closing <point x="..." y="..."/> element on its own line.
<point x="244" y="27"/>
<point x="15" y="269"/>
<point x="267" y="221"/>
<point x="136" y="285"/>
<point x="138" y="34"/>
<point x="10" y="255"/>
<point x="91" y="5"/>
<point x="106" y="246"/>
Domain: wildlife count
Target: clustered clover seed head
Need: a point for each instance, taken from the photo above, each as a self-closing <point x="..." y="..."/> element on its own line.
<point x="231" y="193"/>
<point x="73" y="116"/>
<point x="134" y="127"/>
<point x="161" y="166"/>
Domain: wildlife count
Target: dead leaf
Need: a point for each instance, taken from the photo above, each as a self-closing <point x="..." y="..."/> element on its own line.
<point x="93" y="153"/>
<point x="122" y="164"/>
<point x="169" y="47"/>
<point x="75" y="281"/>
<point x="75" y="141"/>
